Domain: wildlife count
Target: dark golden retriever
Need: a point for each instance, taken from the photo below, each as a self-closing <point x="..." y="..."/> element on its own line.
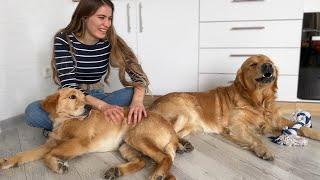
<point x="79" y="130"/>
<point x="239" y="112"/>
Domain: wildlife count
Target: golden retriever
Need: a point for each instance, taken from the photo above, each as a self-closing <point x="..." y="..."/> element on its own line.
<point x="79" y="130"/>
<point x="238" y="112"/>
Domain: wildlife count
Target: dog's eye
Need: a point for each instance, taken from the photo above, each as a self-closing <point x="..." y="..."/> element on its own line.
<point x="253" y="64"/>
<point x="72" y="97"/>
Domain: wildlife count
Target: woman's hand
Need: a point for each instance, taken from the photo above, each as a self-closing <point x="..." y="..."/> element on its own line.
<point x="136" y="111"/>
<point x="113" y="112"/>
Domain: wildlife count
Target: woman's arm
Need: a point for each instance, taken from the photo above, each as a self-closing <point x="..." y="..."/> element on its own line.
<point x="112" y="112"/>
<point x="137" y="109"/>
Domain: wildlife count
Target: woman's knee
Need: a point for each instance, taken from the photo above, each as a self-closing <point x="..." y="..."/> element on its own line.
<point x="122" y="97"/>
<point x="129" y="91"/>
<point x="126" y="96"/>
<point x="31" y="111"/>
<point x="33" y="106"/>
<point x="35" y="116"/>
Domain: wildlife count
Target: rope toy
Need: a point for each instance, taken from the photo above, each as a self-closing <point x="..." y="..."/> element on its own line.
<point x="289" y="136"/>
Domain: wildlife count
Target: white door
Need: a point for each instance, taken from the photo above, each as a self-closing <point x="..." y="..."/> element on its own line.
<point x="168" y="44"/>
<point x="124" y="21"/>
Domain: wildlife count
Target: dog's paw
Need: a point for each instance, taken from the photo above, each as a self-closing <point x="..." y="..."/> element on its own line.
<point x="6" y="164"/>
<point x="157" y="177"/>
<point x="112" y="173"/>
<point x="2" y="163"/>
<point x="269" y="156"/>
<point x="188" y="147"/>
<point x="160" y="178"/>
<point x="62" y="167"/>
<point x="184" y="146"/>
<point x="170" y="177"/>
<point x="265" y="154"/>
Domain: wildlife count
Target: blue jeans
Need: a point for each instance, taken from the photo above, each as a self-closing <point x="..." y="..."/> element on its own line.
<point x="35" y="116"/>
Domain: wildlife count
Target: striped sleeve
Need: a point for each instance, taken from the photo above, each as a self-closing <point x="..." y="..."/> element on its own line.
<point x="134" y="77"/>
<point x="64" y="63"/>
<point x="137" y="75"/>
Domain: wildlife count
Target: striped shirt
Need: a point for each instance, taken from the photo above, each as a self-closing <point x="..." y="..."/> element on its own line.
<point x="88" y="67"/>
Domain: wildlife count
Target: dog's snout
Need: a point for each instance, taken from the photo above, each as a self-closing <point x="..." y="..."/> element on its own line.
<point x="267" y="68"/>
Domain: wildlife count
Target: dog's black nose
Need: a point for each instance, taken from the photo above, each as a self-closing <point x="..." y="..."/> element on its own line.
<point x="87" y="107"/>
<point x="267" y="69"/>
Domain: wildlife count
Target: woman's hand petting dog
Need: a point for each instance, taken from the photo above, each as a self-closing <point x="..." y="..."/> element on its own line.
<point x="116" y="113"/>
<point x="136" y="111"/>
<point x="113" y="112"/>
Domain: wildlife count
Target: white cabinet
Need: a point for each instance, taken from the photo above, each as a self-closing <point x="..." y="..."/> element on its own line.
<point x="251" y="34"/>
<point x="236" y="10"/>
<point x="165" y="34"/>
<point x="311" y="5"/>
<point x="233" y="30"/>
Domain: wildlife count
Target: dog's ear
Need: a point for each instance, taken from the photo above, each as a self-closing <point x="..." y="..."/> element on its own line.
<point x="50" y="103"/>
<point x="275" y="83"/>
<point x="240" y="79"/>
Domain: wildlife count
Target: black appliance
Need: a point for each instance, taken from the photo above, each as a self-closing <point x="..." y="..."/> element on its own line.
<point x="309" y="71"/>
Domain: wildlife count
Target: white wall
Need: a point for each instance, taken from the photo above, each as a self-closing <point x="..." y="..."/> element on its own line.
<point x="311" y="5"/>
<point x="26" y="39"/>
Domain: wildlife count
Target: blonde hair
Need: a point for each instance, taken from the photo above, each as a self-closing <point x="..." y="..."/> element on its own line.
<point x="121" y="55"/>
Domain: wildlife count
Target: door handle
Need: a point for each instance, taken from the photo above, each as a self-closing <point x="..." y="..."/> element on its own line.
<point x="128" y="18"/>
<point x="238" y="1"/>
<point x="140" y="18"/>
<point x="248" y="28"/>
<point x="242" y="55"/>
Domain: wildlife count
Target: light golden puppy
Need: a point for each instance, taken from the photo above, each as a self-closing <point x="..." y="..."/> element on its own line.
<point x="239" y="112"/>
<point x="79" y="130"/>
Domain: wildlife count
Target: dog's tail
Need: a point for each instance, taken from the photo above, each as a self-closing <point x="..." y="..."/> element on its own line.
<point x="27" y="156"/>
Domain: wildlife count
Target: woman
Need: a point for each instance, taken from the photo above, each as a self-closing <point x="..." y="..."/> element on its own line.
<point x="83" y="53"/>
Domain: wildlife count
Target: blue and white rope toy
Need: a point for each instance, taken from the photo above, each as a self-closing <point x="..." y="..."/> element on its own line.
<point x="289" y="136"/>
